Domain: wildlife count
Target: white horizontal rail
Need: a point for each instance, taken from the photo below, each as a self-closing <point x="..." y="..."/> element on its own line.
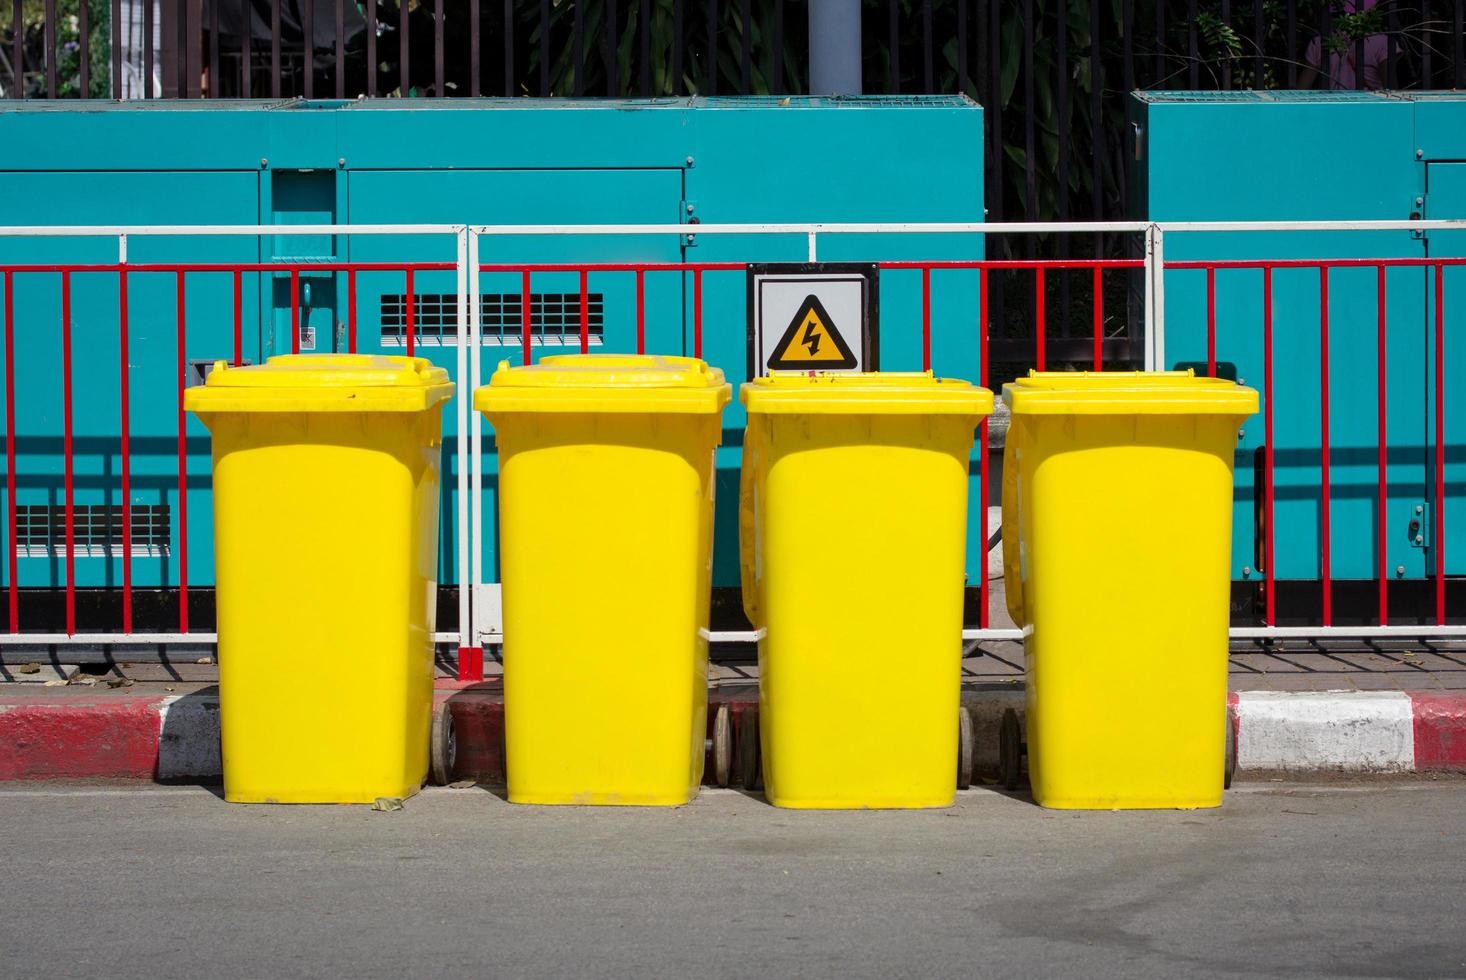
<point x="1345" y="632"/>
<point x="134" y="639"/>
<point x="1424" y="224"/>
<point x="768" y="228"/>
<point x="112" y="231"/>
<point x="817" y="228"/>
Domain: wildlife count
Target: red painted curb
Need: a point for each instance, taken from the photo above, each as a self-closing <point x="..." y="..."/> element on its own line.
<point x="84" y="737"/>
<point x="1440" y="729"/>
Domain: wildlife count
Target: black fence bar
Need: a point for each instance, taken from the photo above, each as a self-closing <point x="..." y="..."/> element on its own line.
<point x="340" y="75"/>
<point x="439" y="78"/>
<point x="50" y="56"/>
<point x="644" y="38"/>
<point x="192" y="41"/>
<point x="214" y="48"/>
<point x="116" y="47"/>
<point x="1227" y="59"/>
<point x="1194" y="47"/>
<point x="508" y="48"/>
<point x="307" y="48"/>
<point x="1459" y="55"/>
<point x="544" y="48"/>
<point x="579" y="45"/>
<point x="371" y="49"/>
<point x="404" y="49"/>
<point x="710" y="57"/>
<point x="275" y="87"/>
<point x="84" y="48"/>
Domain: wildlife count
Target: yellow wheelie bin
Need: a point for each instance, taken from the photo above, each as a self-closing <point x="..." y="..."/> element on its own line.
<point x="1117" y="523"/>
<point x="853" y="517"/>
<point x="326" y="545"/>
<point x="606" y="470"/>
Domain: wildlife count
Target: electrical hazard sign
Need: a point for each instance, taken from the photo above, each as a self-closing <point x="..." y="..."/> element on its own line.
<point x="817" y="316"/>
<point x="812" y="342"/>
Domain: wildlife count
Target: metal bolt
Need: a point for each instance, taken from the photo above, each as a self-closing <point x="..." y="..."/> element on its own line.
<point x="1241" y="433"/>
<point x="1241" y="381"/>
<point x="1246" y="570"/>
<point x="1420" y="539"/>
<point x="689" y="161"/>
<point x="691" y="208"/>
<point x="264" y="162"/>
<point x="340" y="161"/>
<point x="1419" y="509"/>
<point x="1419" y="201"/>
<point x="1399" y="571"/>
<point x="1419" y="154"/>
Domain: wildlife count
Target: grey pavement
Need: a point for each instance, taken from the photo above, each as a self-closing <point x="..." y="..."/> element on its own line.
<point x="1330" y="879"/>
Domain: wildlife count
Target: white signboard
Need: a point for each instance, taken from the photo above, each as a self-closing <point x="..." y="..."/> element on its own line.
<point x="812" y="317"/>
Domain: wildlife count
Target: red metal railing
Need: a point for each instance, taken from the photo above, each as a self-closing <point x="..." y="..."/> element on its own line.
<point x="1437" y="269"/>
<point x="180" y="272"/>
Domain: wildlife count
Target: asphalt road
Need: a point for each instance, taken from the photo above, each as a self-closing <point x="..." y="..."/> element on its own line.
<point x="1324" y="880"/>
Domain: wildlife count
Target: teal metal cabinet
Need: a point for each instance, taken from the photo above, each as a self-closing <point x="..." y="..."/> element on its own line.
<point x="1282" y="156"/>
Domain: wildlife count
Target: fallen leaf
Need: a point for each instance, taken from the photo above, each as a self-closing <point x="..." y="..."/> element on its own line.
<point x="463" y="784"/>
<point x="115" y="682"/>
<point x="387" y="804"/>
<point x="204" y="660"/>
<point x="85" y="680"/>
<point x="29" y="669"/>
<point x="54" y="683"/>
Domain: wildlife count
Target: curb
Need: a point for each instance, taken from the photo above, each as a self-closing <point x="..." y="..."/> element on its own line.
<point x="176" y="737"/>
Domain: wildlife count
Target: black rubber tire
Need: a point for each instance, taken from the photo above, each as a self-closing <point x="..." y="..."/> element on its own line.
<point x="1229" y="757"/>
<point x="1010" y="750"/>
<point x="443" y="747"/>
<point x="749" y="751"/>
<point x="966" y="748"/>
<point x="722" y="746"/>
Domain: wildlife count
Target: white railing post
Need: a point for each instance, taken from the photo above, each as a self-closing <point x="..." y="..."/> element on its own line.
<point x="486" y="618"/>
<point x="1158" y="294"/>
<point x="463" y="396"/>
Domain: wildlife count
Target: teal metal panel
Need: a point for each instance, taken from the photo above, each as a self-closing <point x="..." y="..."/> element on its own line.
<point x="1301" y="156"/>
<point x="1446" y="198"/>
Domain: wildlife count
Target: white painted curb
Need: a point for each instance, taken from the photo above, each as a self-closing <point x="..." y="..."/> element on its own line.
<point x="1369" y="731"/>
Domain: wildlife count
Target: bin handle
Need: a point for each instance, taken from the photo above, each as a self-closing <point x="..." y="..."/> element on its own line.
<point x="1012" y="572"/>
<point x="747" y="536"/>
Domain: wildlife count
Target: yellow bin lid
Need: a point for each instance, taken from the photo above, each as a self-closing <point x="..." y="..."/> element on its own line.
<point x="1127" y="393"/>
<point x="591" y="383"/>
<point x="323" y="383"/>
<point x="890" y="393"/>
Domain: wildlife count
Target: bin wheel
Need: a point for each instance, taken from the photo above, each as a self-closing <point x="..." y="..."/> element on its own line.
<point x="1010" y="750"/>
<point x="965" y="748"/>
<point x="748" y="750"/>
<point x="1229" y="758"/>
<point x="722" y="745"/>
<point x="443" y="749"/>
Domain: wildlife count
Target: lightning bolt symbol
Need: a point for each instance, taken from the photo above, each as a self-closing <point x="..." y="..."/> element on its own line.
<point x="811" y="338"/>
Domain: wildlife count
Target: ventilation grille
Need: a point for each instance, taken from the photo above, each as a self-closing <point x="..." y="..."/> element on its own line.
<point x="554" y="319"/>
<point x="40" y="530"/>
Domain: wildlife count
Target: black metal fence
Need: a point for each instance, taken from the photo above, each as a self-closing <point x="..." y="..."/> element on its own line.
<point x="1053" y="76"/>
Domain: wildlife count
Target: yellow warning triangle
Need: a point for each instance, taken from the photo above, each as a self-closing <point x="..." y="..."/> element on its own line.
<point x="811" y="342"/>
